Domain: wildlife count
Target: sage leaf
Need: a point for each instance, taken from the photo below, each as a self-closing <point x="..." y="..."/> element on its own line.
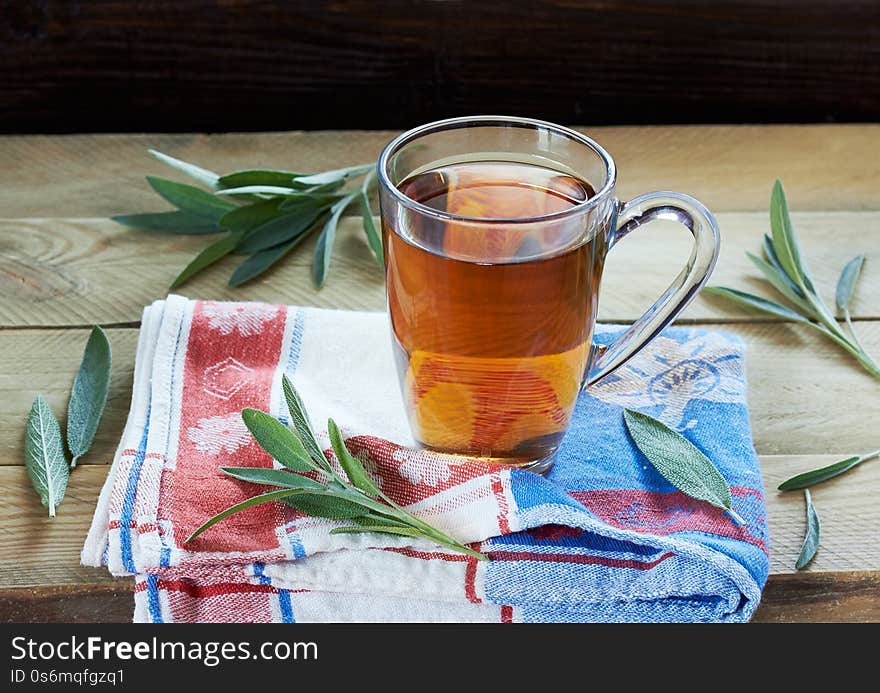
<point x="334" y="176"/>
<point x="780" y="282"/>
<point x="679" y="461"/>
<point x="168" y="222"/>
<point x="324" y="247"/>
<point x="784" y="239"/>
<point x="379" y="529"/>
<point x="299" y="419"/>
<point x="331" y="507"/>
<point x="373" y="238"/>
<point x="352" y="466"/>
<point x="276" y="231"/>
<point x="209" y="256"/>
<point x="44" y="457"/>
<point x="250" y="177"/>
<point x="817" y="476"/>
<point x="847" y="283"/>
<point x="273" y="477"/>
<point x="756" y="302"/>
<point x="188" y="198"/>
<point x="202" y="175"/>
<point x="278" y="440"/>
<point x="773" y="260"/>
<point x="258" y="190"/>
<point x="268" y="497"/>
<point x="89" y="394"/>
<point x="247" y="217"/>
<point x="260" y="262"/>
<point x="291" y="203"/>
<point x="811" y="536"/>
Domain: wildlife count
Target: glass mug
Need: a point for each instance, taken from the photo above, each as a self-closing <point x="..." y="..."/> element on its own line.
<point x="495" y="231"/>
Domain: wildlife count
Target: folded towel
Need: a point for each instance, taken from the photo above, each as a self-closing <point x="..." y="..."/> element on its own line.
<point x="602" y="538"/>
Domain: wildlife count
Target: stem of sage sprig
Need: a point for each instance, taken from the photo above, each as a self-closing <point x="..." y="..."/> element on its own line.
<point x="265" y="214"/>
<point x="785" y="269"/>
<point x="325" y="492"/>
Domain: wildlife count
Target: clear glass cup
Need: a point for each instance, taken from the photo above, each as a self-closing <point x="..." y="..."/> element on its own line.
<point x="493" y="304"/>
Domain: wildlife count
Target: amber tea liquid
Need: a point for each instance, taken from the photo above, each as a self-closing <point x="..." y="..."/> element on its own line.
<point x="492" y="335"/>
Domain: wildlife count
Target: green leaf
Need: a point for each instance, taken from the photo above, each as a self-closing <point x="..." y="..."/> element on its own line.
<point x="44" y="457"/>
<point x="679" y="461"/>
<point x="331" y="507"/>
<point x="817" y="476"/>
<point x="355" y="471"/>
<point x="299" y="419"/>
<point x="847" y="283"/>
<point x="250" y="177"/>
<point x="278" y="440"/>
<point x="756" y="302"/>
<point x="334" y="176"/>
<point x="373" y="238"/>
<point x="811" y="536"/>
<point x="324" y="247"/>
<point x="273" y="477"/>
<point x="247" y="217"/>
<point x="309" y="199"/>
<point x="202" y="175"/>
<point x="263" y="260"/>
<point x="780" y="281"/>
<point x="380" y="529"/>
<point x="168" y="222"/>
<point x="89" y="394"/>
<point x="209" y="255"/>
<point x="258" y="190"/>
<point x="785" y="241"/>
<point x="268" y="497"/>
<point x="279" y="230"/>
<point x="188" y="198"/>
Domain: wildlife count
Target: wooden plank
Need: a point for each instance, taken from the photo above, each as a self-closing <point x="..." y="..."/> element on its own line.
<point x="728" y="167"/>
<point x="220" y="66"/>
<point x="821" y="598"/>
<point x="40" y="551"/>
<point x="803" y="598"/>
<point x="801" y="388"/>
<point x="56" y="272"/>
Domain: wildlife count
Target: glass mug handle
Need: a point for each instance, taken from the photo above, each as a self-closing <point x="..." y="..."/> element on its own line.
<point x="699" y="221"/>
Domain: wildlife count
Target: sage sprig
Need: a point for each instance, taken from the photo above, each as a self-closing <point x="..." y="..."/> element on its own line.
<point x="680" y="462"/>
<point x="785" y="269"/>
<point x="264" y="214"/>
<point x="44" y="456"/>
<point x="311" y="484"/>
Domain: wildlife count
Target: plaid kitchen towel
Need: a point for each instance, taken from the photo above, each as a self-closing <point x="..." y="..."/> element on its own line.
<point x="603" y="538"/>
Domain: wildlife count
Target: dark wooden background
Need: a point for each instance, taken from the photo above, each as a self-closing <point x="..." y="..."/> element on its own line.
<point x="215" y="65"/>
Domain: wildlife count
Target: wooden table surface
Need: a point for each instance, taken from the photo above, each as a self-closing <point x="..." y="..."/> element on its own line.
<point x="65" y="266"/>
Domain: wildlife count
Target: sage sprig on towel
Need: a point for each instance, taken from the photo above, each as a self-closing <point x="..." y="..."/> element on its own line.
<point x="311" y="484"/>
<point x="785" y="268"/>
<point x="263" y="214"/>
<point x="44" y="455"/>
<point x="679" y="461"/>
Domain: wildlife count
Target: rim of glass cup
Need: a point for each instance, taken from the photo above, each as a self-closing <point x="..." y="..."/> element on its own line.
<point x="486" y="121"/>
